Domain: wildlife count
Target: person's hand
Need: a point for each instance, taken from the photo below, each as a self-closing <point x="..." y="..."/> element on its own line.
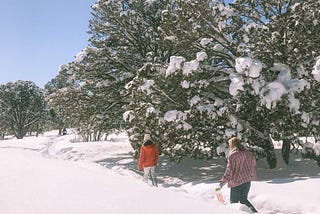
<point x="217" y="189"/>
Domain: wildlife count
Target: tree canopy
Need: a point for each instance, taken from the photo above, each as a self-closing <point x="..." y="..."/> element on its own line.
<point x="194" y="73"/>
<point x="22" y="108"/>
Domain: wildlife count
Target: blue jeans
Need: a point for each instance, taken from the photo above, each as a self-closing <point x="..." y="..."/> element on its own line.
<point x="240" y="194"/>
<point x="149" y="172"/>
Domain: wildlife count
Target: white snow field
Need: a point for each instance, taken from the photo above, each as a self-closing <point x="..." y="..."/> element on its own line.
<point x="51" y="174"/>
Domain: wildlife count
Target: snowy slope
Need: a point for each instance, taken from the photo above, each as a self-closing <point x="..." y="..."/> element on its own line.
<point x="50" y="174"/>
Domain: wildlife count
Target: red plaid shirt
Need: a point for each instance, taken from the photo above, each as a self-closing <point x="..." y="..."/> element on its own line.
<point x="241" y="168"/>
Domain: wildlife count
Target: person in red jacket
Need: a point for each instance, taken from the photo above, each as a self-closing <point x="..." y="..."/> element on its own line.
<point x="148" y="159"/>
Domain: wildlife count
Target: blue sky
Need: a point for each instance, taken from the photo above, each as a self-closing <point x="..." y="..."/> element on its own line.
<point x="37" y="36"/>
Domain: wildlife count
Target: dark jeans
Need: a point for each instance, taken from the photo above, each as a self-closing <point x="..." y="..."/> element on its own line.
<point x="240" y="194"/>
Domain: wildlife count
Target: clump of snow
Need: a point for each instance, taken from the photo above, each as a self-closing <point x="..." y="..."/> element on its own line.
<point x="178" y="117"/>
<point x="222" y="149"/>
<point x="201" y="56"/>
<point x="150" y="2"/>
<point x="184" y="125"/>
<point x="222" y="25"/>
<point x="256" y="85"/>
<point x="177" y="147"/>
<point x="218" y="47"/>
<point x="170" y="38"/>
<point x="194" y="100"/>
<point x="174" y="115"/>
<point x="103" y="83"/>
<point x="316" y="148"/>
<point x="316" y="70"/>
<point x="275" y="91"/>
<point x="185" y="84"/>
<point x="174" y="65"/>
<point x="128" y="116"/>
<point x="188" y="67"/>
<point x="218" y="102"/>
<point x="81" y="55"/>
<point x="239" y="128"/>
<point x="178" y="62"/>
<point x="170" y="115"/>
<point x="294" y="103"/>
<point x="284" y="85"/>
<point x="271" y="92"/>
<point x="284" y="70"/>
<point x="230" y="132"/>
<point x="227" y="12"/>
<point x="236" y="84"/>
<point x="305" y="117"/>
<point x="233" y="120"/>
<point x="150" y="110"/>
<point x="209" y="108"/>
<point x="205" y="41"/>
<point x="246" y="38"/>
<point x="146" y="86"/>
<point x="222" y="110"/>
<point x="248" y="66"/>
<point x="301" y="71"/>
<point x="249" y="26"/>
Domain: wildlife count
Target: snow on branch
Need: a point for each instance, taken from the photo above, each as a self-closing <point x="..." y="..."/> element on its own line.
<point x="178" y="63"/>
<point x="248" y="72"/>
<point x="316" y="70"/>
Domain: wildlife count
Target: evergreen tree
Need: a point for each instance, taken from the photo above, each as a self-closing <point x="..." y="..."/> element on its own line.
<point x="282" y="34"/>
<point x="23" y="107"/>
<point x="125" y="36"/>
<point x="194" y="73"/>
<point x="196" y="93"/>
<point x="54" y="89"/>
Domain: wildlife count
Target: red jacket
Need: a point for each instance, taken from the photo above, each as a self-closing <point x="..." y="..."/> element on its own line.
<point x="148" y="156"/>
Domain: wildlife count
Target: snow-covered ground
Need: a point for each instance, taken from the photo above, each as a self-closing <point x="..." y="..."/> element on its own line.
<point x="50" y="174"/>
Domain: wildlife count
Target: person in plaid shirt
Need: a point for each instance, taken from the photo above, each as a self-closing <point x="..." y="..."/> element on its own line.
<point x="240" y="171"/>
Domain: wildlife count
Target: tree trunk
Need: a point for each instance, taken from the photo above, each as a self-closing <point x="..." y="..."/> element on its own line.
<point x="285" y="151"/>
<point x="271" y="156"/>
<point x="19" y="133"/>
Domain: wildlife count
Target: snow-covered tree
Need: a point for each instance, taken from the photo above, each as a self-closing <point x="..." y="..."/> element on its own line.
<point x="125" y="35"/>
<point x="4" y="126"/>
<point x="23" y="107"/>
<point x="59" y="117"/>
<point x="282" y="35"/>
<point x="281" y="31"/>
<point x="194" y="73"/>
<point x="172" y="107"/>
<point x="70" y="105"/>
<point x="270" y="88"/>
<point x="190" y="95"/>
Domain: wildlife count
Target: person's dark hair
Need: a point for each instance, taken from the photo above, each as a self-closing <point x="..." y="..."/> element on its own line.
<point x="237" y="144"/>
<point x="148" y="143"/>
